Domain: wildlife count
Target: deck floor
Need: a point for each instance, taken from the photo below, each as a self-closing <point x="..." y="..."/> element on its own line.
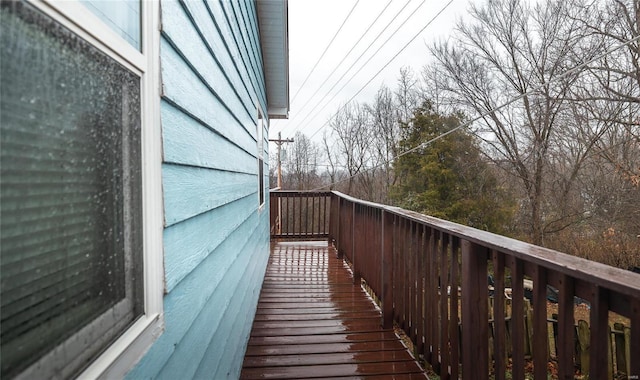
<point x="312" y="322"/>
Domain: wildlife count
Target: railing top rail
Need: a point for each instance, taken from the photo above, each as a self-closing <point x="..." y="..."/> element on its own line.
<point x="619" y="280"/>
<point x="302" y="192"/>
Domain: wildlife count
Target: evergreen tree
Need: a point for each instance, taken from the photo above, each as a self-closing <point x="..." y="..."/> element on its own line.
<point x="449" y="178"/>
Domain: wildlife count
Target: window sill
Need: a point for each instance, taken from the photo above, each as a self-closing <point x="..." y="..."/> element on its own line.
<point x="125" y="352"/>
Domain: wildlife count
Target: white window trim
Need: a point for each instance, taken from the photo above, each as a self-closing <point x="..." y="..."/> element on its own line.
<point x="262" y="122"/>
<point x="129" y="348"/>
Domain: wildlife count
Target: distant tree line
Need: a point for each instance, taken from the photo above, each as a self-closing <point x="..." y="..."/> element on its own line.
<point x="553" y="153"/>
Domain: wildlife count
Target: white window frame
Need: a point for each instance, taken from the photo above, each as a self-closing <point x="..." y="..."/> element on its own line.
<point x="261" y="123"/>
<point x="129" y="348"/>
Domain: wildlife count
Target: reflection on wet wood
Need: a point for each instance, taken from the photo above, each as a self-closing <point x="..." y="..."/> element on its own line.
<point x="312" y="322"/>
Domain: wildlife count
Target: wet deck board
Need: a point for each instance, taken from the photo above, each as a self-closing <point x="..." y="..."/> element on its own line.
<point x="313" y="322"/>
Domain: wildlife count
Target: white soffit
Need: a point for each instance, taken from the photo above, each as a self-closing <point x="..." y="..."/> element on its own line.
<point x="274" y="41"/>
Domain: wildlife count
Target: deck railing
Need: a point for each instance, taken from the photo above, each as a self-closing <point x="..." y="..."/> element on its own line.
<point x="431" y="277"/>
<point x="299" y="214"/>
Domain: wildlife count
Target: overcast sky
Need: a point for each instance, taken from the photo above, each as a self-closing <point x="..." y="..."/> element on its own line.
<point x="312" y="25"/>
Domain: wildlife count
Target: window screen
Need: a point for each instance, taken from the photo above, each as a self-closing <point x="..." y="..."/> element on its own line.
<point x="70" y="196"/>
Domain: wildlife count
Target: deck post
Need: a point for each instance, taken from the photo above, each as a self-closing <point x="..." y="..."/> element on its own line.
<point x="273" y="213"/>
<point x="333" y="220"/>
<point x="386" y="251"/>
<point x="475" y="298"/>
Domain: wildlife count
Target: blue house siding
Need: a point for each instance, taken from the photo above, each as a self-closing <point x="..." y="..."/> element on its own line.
<point x="216" y="237"/>
<point x="234" y="39"/>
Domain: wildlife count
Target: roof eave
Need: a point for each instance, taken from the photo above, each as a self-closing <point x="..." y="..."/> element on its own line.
<point x="274" y="42"/>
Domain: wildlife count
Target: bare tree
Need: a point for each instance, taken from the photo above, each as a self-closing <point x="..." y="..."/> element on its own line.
<point x="353" y="141"/>
<point x="431" y="89"/>
<point x="508" y="50"/>
<point x="407" y="94"/>
<point x="614" y="94"/>
<point x="273" y="164"/>
<point x="612" y="23"/>
<point x="607" y="96"/>
<point x="332" y="159"/>
<point x="301" y="163"/>
<point x="385" y="138"/>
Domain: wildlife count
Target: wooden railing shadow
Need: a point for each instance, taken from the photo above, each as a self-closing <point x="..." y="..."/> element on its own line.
<point x="431" y="278"/>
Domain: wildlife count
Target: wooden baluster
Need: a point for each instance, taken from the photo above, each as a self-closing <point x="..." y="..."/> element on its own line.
<point x="397" y="260"/>
<point x="324" y="214"/>
<point x="332" y="221"/>
<point x="454" y="330"/>
<point x="293" y="215"/>
<point x="428" y="297"/>
<point x="365" y="262"/>
<point x="327" y="210"/>
<point x="324" y="208"/>
<point x="341" y="223"/>
<point x="354" y="233"/>
<point x="600" y="338"/>
<point x="475" y="328"/>
<point x="402" y="279"/>
<point x="284" y="222"/>
<point x="273" y="213"/>
<point x="499" y="338"/>
<point x="517" y="318"/>
<point x="420" y="278"/>
<point x="387" y="269"/>
<point x="376" y="226"/>
<point x="424" y="248"/>
<point x="377" y="246"/>
<point x="406" y="279"/>
<point x="444" y="300"/>
<point x="313" y="230"/>
<point x="634" y="350"/>
<point x="432" y="309"/>
<point x="540" y="332"/>
<point x="414" y="287"/>
<point x="306" y="215"/>
<point x="434" y="273"/>
<point x="566" y="329"/>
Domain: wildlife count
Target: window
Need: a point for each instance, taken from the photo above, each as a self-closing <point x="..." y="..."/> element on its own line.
<point x="77" y="274"/>
<point x="260" y="142"/>
<point x="122" y="16"/>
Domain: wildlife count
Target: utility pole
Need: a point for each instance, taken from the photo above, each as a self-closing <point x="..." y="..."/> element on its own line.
<point x="279" y="141"/>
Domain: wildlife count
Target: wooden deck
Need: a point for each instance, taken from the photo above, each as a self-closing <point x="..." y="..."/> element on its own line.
<point x="313" y="322"/>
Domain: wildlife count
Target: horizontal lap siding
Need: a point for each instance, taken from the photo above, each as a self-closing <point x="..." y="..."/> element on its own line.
<point x="193" y="191"/>
<point x="234" y="37"/>
<point x="188" y="142"/>
<point x="230" y="338"/>
<point x="187" y="244"/>
<point x="216" y="239"/>
<point x="202" y="295"/>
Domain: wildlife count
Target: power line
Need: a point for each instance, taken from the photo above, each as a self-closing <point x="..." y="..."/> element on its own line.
<point x="487" y="113"/>
<point x="385" y="66"/>
<point x="351" y="50"/>
<point x="358" y="59"/>
<point x="325" y="51"/>
<point x="350" y="67"/>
